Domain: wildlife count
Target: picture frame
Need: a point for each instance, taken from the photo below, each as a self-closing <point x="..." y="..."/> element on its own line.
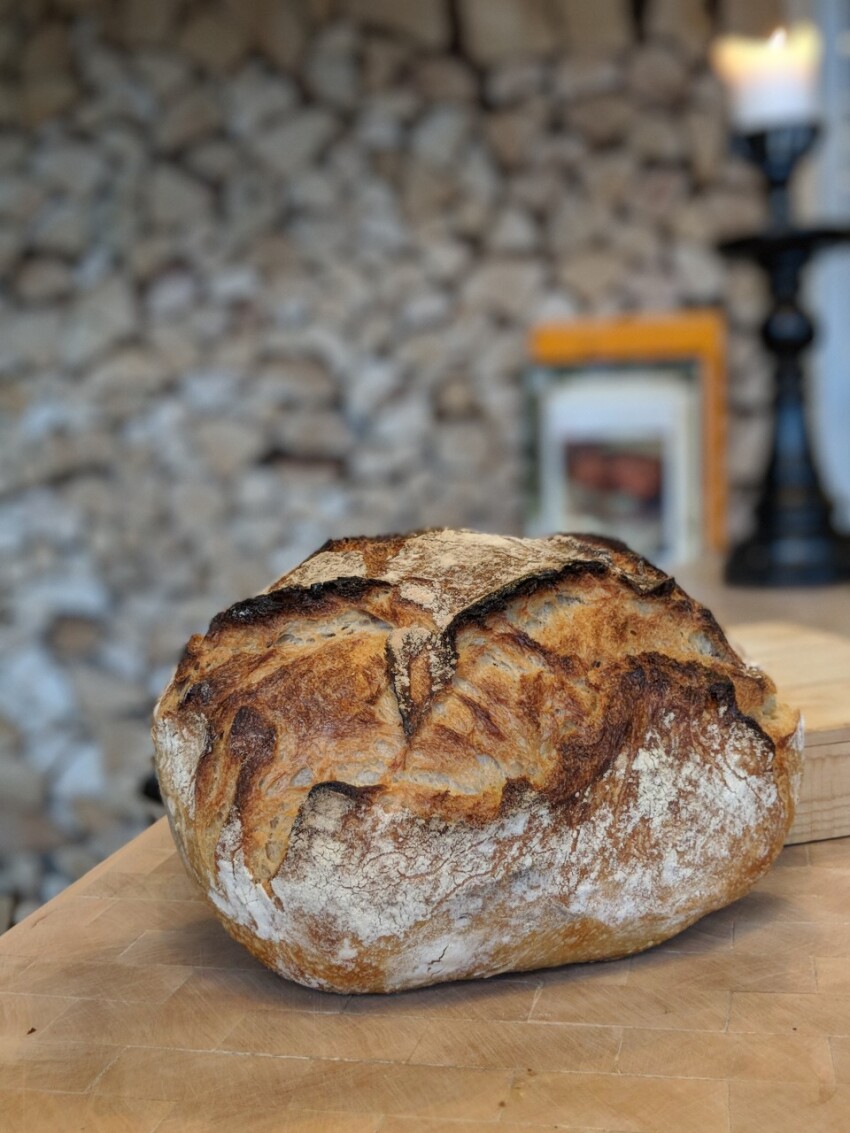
<point x="626" y="426"/>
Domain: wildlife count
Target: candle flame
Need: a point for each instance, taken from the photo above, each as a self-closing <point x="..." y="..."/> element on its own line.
<point x="778" y="39"/>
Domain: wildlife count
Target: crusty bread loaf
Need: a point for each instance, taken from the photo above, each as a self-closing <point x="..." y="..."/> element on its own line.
<point x="443" y="755"/>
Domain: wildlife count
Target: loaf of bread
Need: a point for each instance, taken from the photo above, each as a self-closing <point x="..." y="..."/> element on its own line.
<point x="446" y="755"/>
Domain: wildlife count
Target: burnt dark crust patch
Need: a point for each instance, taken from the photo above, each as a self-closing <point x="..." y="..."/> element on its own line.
<point x="648" y="687"/>
<point x="252" y="744"/>
<point x="293" y="600"/>
<point x="522" y="587"/>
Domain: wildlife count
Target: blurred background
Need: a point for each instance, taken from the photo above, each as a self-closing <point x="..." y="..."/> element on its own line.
<point x="268" y="271"/>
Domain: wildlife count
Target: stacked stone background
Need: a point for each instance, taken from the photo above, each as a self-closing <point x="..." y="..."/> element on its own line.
<point x="267" y="271"/>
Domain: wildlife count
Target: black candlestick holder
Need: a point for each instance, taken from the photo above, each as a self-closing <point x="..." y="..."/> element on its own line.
<point x="794" y="542"/>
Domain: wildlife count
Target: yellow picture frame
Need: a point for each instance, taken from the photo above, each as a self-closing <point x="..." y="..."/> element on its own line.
<point x="695" y="337"/>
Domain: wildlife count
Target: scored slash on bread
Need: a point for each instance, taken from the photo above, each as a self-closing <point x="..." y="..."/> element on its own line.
<point x="447" y="754"/>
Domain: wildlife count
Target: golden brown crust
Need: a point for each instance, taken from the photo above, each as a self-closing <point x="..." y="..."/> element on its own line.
<point x="461" y="682"/>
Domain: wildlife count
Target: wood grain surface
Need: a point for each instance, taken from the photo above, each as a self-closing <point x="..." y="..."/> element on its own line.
<point x="811" y="668"/>
<point x="124" y="1006"/>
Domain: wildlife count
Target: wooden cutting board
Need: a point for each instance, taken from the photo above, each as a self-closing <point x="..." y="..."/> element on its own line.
<point x="125" y="1008"/>
<point x="812" y="671"/>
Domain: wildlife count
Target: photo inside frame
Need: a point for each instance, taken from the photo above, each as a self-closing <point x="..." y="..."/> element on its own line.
<point x="618" y="486"/>
<point x="619" y="454"/>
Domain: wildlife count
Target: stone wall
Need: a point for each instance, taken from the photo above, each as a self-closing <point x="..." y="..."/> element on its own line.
<point x="268" y="269"/>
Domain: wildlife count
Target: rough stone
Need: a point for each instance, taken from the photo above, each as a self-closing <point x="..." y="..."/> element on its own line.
<point x="591" y="274"/>
<point x="34" y="691"/>
<point x="281" y="31"/>
<point x="603" y="120"/>
<point x="751" y="383"/>
<point x="215" y="41"/>
<point x="77" y="594"/>
<point x="445" y="78"/>
<point x="439" y="136"/>
<point x="578" y="77"/>
<point x="46" y="97"/>
<point x="684" y="22"/>
<point x="609" y="179"/>
<point x="190" y="118"/>
<point x="21" y="873"/>
<point x="748" y="447"/>
<point x="20" y="198"/>
<point x="445" y="260"/>
<point x="555" y="306"/>
<point x="101" y="319"/>
<point x="314" y="434"/>
<point x="514" y="231"/>
<point x="73" y="167"/>
<point x="331" y="69"/>
<point x="21" y="786"/>
<point x="235" y="284"/>
<point x="379" y="129"/>
<point x="708" y="142"/>
<point x="492" y="32"/>
<point x="385" y="62"/>
<point x="295" y="143"/>
<point x="164" y="73"/>
<point x="515" y="82"/>
<point x="746" y="294"/>
<point x="700" y="273"/>
<point x="80" y="774"/>
<point x="727" y="213"/>
<point x="72" y="637"/>
<point x="576" y="223"/>
<point x="10" y="104"/>
<point x="636" y="243"/>
<point x="72" y="863"/>
<point x="426" y="21"/>
<point x="41" y="280"/>
<point x="514" y="134"/>
<point x="657" y="76"/>
<point x="29" y="338"/>
<point x="657" y="192"/>
<point x="455" y="398"/>
<point x="175" y="198"/>
<point x="11" y="246"/>
<point x="228" y="446"/>
<point x="462" y="447"/>
<point x="47" y="50"/>
<point x="425" y="309"/>
<point x="214" y="160"/>
<point x="301" y="382"/>
<point x="10" y="43"/>
<point x="756" y="18"/>
<point x="651" y="288"/>
<point x="171" y="295"/>
<point x="13" y="151"/>
<point x="600" y="27"/>
<point x="127" y="376"/>
<point x="251" y="206"/>
<point x="146" y="22"/>
<point x="504" y="287"/>
<point x="658" y="138"/>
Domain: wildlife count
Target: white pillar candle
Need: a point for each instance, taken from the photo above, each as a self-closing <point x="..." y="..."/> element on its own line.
<point x="771" y="82"/>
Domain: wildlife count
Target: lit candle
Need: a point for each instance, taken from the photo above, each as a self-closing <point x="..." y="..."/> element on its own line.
<point x="771" y="82"/>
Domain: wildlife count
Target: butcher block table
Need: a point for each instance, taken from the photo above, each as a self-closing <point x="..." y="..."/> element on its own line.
<point x="124" y="1006"/>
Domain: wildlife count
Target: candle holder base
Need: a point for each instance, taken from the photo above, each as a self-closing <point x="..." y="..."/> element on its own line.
<point x="791" y="561"/>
